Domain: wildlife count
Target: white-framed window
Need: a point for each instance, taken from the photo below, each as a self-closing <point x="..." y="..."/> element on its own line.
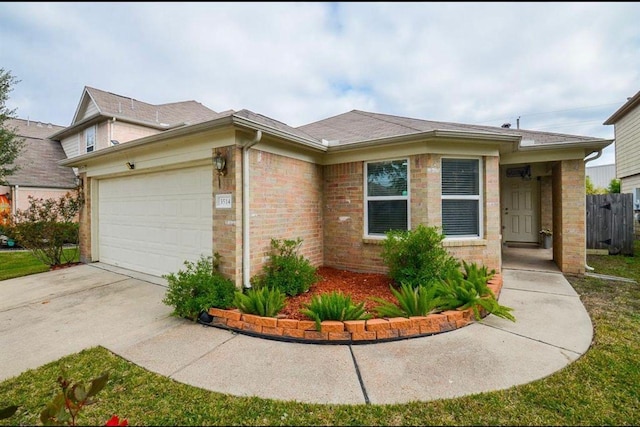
<point x="386" y="191"/>
<point x="90" y="138"/>
<point x="462" y="197"/>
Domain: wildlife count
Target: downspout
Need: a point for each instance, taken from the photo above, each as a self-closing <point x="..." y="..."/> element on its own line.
<point x="246" y="212"/>
<point x="587" y="266"/>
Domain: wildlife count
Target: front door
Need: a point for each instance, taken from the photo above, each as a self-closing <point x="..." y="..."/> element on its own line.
<point x="520" y="209"/>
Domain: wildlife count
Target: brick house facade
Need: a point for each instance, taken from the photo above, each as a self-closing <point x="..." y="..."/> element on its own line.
<point x="302" y="184"/>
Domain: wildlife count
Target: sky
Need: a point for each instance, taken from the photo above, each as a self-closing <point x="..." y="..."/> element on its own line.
<point x="555" y="67"/>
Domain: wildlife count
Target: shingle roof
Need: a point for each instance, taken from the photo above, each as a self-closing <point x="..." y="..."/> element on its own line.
<point x="359" y="126"/>
<point x="169" y="115"/>
<point x="38" y="160"/>
<point x="275" y="124"/>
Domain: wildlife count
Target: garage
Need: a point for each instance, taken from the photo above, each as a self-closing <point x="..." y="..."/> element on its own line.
<point x="153" y="222"/>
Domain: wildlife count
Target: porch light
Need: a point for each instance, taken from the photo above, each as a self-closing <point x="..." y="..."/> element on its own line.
<point x="220" y="164"/>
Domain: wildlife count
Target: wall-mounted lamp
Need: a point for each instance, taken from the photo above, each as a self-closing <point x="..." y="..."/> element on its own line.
<point x="8" y="195"/>
<point x="131" y="165"/>
<point x="220" y="163"/>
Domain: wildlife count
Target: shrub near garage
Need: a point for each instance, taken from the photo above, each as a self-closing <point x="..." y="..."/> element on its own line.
<point x="287" y="270"/>
<point x="199" y="287"/>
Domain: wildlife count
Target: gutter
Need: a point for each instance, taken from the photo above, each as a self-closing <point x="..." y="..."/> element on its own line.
<point x="246" y="212"/>
<point x="599" y="153"/>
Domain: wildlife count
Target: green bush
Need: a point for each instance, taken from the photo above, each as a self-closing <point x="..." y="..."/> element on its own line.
<point x="416" y="256"/>
<point x="47" y="225"/>
<point x="265" y="302"/>
<point x="287" y="270"/>
<point x="418" y="301"/>
<point x="198" y="287"/>
<point x="457" y="292"/>
<point x="334" y="306"/>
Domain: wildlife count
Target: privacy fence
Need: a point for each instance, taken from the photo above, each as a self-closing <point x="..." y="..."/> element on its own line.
<point x="610" y="223"/>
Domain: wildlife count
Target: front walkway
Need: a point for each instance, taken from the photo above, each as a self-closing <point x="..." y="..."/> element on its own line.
<point x="64" y="311"/>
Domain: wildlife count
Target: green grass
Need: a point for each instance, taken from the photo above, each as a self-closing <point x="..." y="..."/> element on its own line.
<point x="22" y="263"/>
<point x="600" y="388"/>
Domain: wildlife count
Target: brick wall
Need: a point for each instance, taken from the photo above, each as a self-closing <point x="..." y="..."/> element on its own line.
<point x="286" y="203"/>
<point x="546" y="203"/>
<point x="569" y="244"/>
<point x="227" y="223"/>
<point x="85" y="221"/>
<point x="344" y="245"/>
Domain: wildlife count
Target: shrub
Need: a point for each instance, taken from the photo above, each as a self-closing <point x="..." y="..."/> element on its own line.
<point x="198" y="287"/>
<point x="287" y="270"/>
<point x="265" y="302"/>
<point x="418" y="301"/>
<point x="334" y="306"/>
<point x="47" y="225"/>
<point x="458" y="292"/>
<point x="416" y="256"/>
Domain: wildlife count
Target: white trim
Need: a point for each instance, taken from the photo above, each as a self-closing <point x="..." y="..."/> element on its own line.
<point x="479" y="198"/>
<point x="368" y="198"/>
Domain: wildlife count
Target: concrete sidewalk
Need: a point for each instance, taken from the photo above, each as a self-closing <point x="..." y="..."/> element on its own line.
<point x="64" y="311"/>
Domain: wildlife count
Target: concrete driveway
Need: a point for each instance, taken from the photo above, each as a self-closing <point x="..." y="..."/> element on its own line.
<point x="49" y="315"/>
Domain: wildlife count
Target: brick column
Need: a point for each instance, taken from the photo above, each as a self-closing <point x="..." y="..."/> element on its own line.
<point x="84" y="234"/>
<point x="569" y="240"/>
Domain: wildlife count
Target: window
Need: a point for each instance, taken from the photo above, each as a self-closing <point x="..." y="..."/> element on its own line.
<point x="461" y="202"/>
<point x="90" y="138"/>
<point x="386" y="197"/>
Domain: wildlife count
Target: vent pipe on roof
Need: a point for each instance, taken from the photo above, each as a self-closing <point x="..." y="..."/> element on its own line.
<point x="518" y="123"/>
<point x="246" y="250"/>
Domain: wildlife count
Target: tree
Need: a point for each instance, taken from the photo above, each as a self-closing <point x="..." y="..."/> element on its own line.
<point x="592" y="189"/>
<point x="10" y="143"/>
<point x="614" y="186"/>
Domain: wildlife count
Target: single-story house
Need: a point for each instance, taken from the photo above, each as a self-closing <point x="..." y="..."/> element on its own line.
<point x="231" y="184"/>
<point x="39" y="174"/>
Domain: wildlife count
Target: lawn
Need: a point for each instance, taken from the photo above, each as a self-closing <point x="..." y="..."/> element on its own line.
<point x="22" y="263"/>
<point x="600" y="388"/>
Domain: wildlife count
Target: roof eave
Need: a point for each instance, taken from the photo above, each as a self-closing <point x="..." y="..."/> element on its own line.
<point x="231" y="120"/>
<point x="590" y="145"/>
<point x="624" y="110"/>
<point x="432" y="134"/>
<point x="95" y="118"/>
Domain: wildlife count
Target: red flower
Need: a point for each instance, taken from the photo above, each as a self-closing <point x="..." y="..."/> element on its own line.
<point x="115" y="421"/>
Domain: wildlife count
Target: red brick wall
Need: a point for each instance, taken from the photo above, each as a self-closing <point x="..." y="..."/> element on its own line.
<point x="286" y="203"/>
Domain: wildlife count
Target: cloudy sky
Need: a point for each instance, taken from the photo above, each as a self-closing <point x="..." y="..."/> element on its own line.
<point x="558" y="67"/>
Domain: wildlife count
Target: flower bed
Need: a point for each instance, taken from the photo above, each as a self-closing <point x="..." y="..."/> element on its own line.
<point x="348" y="332"/>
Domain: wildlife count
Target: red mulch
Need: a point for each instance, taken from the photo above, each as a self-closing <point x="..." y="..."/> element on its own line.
<point x="360" y="286"/>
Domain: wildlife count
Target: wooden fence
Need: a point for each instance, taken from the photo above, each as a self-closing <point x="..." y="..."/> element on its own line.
<point x="610" y="223"/>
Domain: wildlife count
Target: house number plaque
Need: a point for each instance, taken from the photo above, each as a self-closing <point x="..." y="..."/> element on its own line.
<point x="223" y="201"/>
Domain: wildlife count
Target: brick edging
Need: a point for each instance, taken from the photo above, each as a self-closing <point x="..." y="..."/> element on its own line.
<point x="351" y="331"/>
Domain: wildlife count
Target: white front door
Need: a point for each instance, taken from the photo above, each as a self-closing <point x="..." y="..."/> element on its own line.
<point x="520" y="199"/>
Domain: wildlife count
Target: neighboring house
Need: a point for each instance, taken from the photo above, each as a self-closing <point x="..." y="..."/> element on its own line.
<point x="104" y="119"/>
<point x="601" y="175"/>
<point x="338" y="184"/>
<point x="626" y="125"/>
<point x="39" y="174"/>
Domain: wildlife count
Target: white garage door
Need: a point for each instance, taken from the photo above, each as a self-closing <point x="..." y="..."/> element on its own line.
<point x="154" y="222"/>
